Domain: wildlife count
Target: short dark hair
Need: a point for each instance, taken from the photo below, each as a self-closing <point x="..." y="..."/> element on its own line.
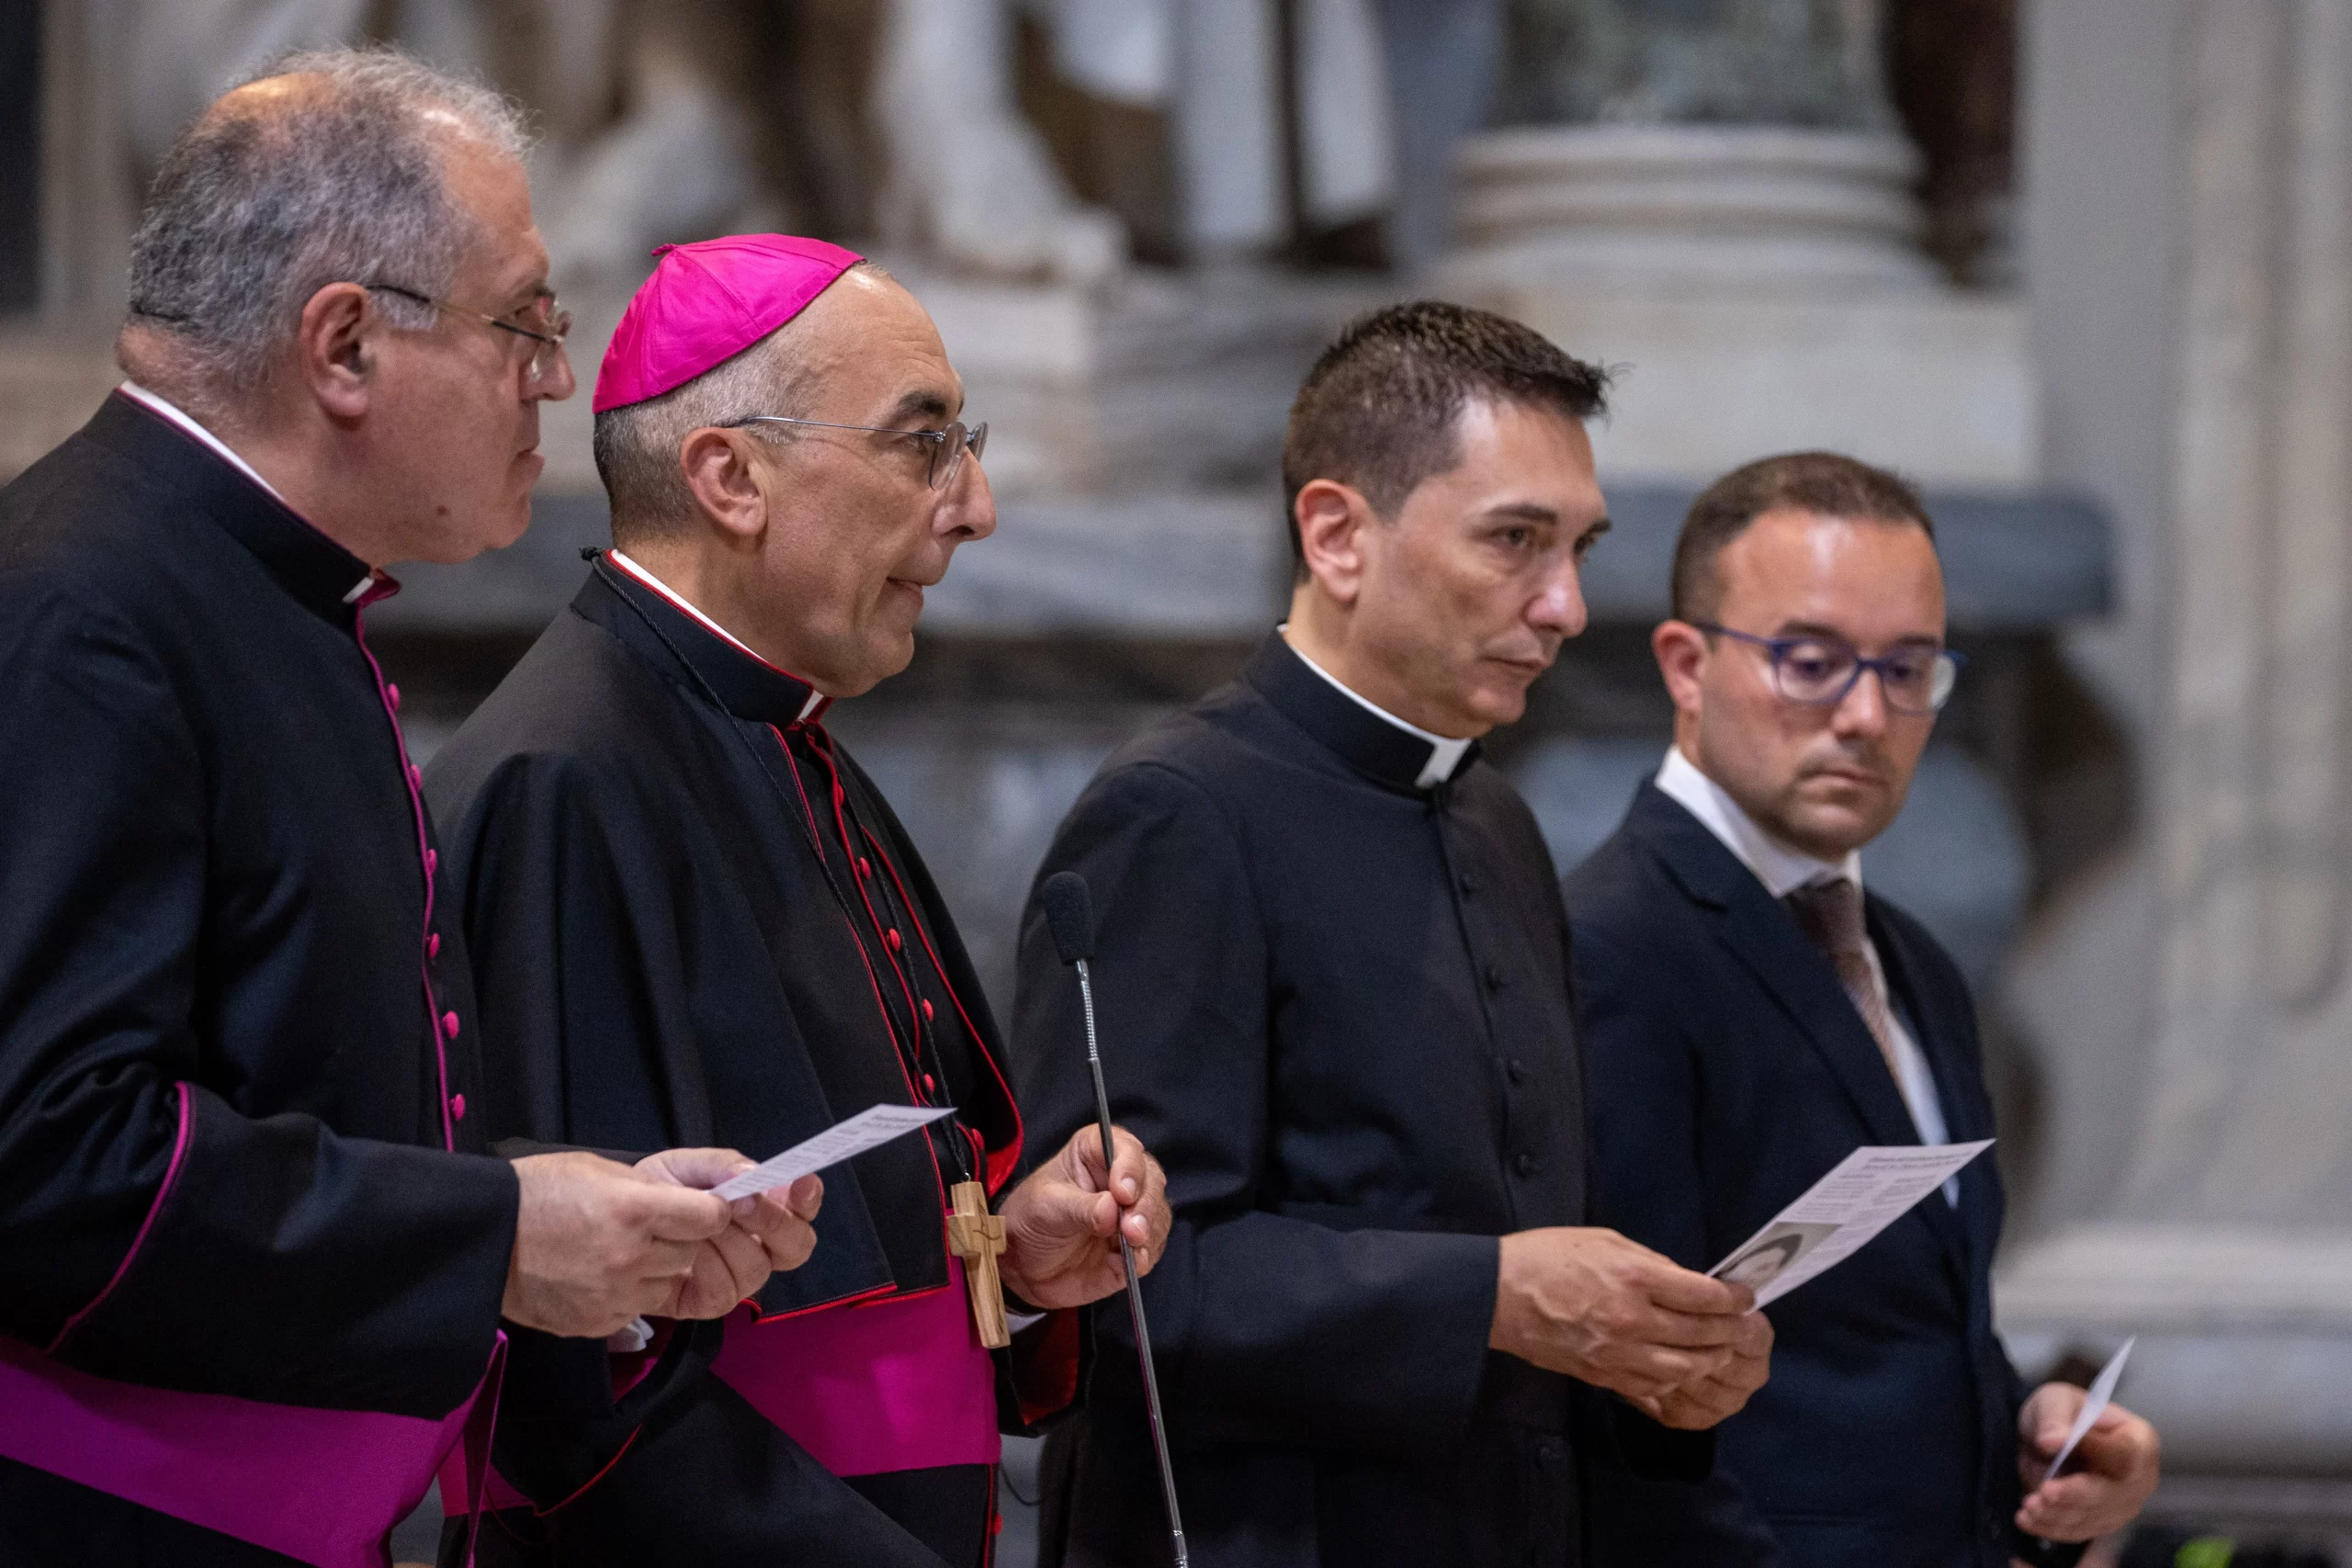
<point x="1824" y="482"/>
<point x="1379" y="411"/>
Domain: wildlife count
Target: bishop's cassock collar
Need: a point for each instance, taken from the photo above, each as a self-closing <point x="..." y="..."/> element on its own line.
<point x="639" y="609"/>
<point x="319" y="572"/>
<point x="1373" y="745"/>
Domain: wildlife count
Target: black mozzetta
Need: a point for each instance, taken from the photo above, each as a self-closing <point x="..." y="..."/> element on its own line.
<point x="696" y="922"/>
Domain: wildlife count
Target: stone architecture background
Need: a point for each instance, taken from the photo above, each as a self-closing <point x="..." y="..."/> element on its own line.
<point x="2080" y="266"/>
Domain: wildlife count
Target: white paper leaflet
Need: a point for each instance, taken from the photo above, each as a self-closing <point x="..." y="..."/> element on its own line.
<point x="875" y="1126"/>
<point x="2102" y="1390"/>
<point x="1868" y="1190"/>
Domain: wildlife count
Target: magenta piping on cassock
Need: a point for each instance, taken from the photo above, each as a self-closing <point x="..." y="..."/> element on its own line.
<point x="385" y="588"/>
<point x="321" y="1486"/>
<point x="171" y="1174"/>
<point x="900" y="1383"/>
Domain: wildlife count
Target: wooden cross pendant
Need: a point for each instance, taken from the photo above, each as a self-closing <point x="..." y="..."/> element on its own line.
<point x="976" y="1236"/>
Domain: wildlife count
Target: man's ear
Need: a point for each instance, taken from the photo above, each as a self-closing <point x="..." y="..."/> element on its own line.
<point x="334" y="349"/>
<point x="1331" y="519"/>
<point x="722" y="473"/>
<point x="1681" y="650"/>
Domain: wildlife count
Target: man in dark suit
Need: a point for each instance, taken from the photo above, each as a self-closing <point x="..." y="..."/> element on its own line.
<point x="1333" y="970"/>
<point x="1750" y="1016"/>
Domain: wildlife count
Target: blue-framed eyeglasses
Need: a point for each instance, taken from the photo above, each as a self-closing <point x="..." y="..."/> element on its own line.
<point x="1819" y="670"/>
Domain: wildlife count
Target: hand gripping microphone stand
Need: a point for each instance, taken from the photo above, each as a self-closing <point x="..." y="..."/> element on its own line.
<point x="1070" y="916"/>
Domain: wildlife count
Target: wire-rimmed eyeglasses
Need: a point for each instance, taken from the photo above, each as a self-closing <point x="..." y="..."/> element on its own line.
<point x="947" y="447"/>
<point x="554" y="326"/>
<point x="1819" y="670"/>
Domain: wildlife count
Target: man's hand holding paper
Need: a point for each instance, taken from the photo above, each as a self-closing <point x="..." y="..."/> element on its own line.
<point x="768" y="1231"/>
<point x="2088" y="1465"/>
<point x="1703" y="1401"/>
<point x="1588" y="1303"/>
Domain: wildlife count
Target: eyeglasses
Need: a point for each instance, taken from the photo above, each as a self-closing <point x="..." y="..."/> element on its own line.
<point x="947" y="447"/>
<point x="1819" y="670"/>
<point x="554" y="326"/>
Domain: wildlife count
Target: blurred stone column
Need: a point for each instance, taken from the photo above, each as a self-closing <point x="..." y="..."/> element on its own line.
<point x="2227" y="1243"/>
<point x="1705" y="140"/>
<point x="1714" y="194"/>
<point x="89" y="201"/>
<point x="1444" y="56"/>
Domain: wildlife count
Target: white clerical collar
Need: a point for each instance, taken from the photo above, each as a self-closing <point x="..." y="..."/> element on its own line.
<point x="816" y="698"/>
<point x="1445" y="754"/>
<point x="1783" y="870"/>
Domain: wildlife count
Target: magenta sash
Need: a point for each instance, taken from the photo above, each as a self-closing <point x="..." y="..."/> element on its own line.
<point x="323" y="1486"/>
<point x="902" y="1384"/>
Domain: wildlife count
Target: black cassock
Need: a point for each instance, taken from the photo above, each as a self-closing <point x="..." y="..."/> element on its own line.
<point x="1336" y="1006"/>
<point x="700" y="924"/>
<point x="235" y="1029"/>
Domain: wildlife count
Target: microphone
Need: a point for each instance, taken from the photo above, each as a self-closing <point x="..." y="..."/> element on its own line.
<point x="1070" y="918"/>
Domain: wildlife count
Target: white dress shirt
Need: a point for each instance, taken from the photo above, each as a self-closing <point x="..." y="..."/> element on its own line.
<point x="1445" y="754"/>
<point x="1782" y="871"/>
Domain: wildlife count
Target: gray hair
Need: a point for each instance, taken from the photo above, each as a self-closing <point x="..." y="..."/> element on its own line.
<point x="253" y="212"/>
<point x="636" y="445"/>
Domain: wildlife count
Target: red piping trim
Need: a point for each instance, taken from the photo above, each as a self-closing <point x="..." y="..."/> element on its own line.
<point x="671" y="594"/>
<point x="864" y="957"/>
<point x="630" y="1442"/>
<point x="858" y="1298"/>
<point x="821" y="743"/>
<point x="996" y="1518"/>
<point x="170" y="1172"/>
<point x="1010" y="1157"/>
<point x="880" y="1295"/>
<point x="817" y="837"/>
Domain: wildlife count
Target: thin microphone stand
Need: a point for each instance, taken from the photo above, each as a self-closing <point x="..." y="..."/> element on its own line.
<point x="1135" y="1288"/>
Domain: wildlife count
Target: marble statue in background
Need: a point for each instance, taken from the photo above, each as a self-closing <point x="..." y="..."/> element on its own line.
<point x="671" y="118"/>
<point x="675" y="164"/>
<point x="173" y="57"/>
<point x="1215" y="68"/>
<point x="963" y="178"/>
<point x="970" y="182"/>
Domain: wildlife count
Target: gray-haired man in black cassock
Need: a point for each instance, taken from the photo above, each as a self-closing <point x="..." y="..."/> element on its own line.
<point x="1333" y="978"/>
<point x="255" y="1247"/>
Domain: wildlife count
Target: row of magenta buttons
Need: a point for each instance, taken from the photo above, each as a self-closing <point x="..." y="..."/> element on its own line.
<point x="431" y="939"/>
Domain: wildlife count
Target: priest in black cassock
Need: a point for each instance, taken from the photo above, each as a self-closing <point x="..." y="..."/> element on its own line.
<point x="694" y="915"/>
<point x="1332" y="972"/>
<point x="252" y="1254"/>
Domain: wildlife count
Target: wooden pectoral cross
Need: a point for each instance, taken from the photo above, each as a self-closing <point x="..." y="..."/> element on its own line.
<point x="977" y="1236"/>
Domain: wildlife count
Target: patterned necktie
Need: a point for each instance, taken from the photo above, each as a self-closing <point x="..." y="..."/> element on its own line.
<point x="1831" y="914"/>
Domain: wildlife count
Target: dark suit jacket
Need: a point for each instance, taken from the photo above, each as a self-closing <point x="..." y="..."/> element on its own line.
<point x="1728" y="1072"/>
<point x="1336" y="1007"/>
